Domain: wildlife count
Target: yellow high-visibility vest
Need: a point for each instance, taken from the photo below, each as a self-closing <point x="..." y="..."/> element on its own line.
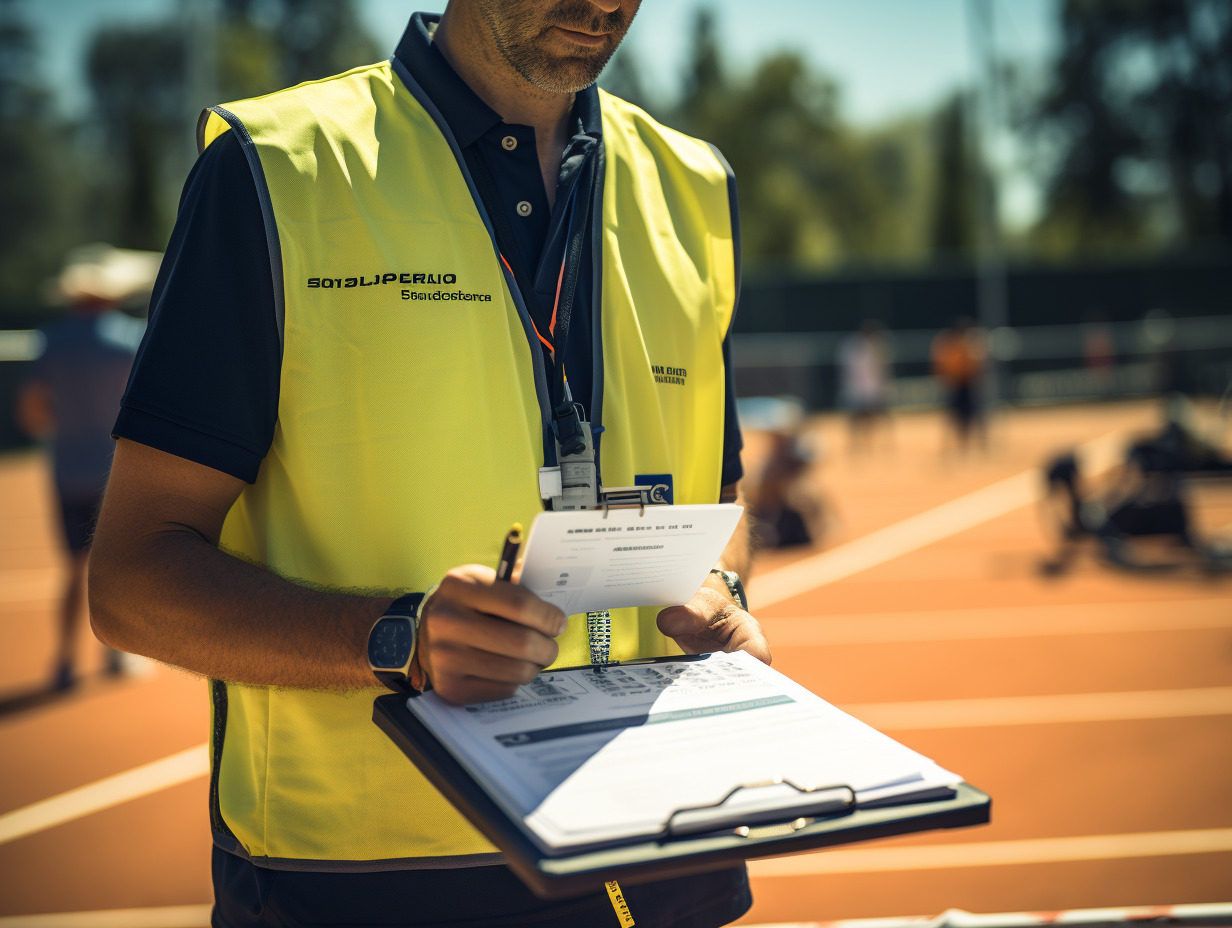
<point x="411" y="429"/>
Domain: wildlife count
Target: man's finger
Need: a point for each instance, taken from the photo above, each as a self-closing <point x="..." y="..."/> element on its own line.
<point x="465" y="691"/>
<point x="452" y="624"/>
<point x="477" y="587"/>
<point x="675" y="621"/>
<point x="483" y="665"/>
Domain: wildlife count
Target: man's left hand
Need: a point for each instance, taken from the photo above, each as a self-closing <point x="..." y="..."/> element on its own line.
<point x="710" y="621"/>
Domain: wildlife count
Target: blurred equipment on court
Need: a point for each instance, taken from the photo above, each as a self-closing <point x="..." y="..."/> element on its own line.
<point x="1142" y="518"/>
<point x="786" y="506"/>
<point x="69" y="399"/>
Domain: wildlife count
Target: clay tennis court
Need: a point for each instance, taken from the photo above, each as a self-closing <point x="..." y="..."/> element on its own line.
<point x="1095" y="708"/>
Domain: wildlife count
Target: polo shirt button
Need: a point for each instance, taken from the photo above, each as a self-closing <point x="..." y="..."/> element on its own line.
<point x="509" y="143"/>
<point x="524" y="208"/>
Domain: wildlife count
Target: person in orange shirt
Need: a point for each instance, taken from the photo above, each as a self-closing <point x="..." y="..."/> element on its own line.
<point x="958" y="355"/>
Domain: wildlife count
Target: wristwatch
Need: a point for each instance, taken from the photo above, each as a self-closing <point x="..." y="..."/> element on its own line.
<point x="734" y="586"/>
<point x="392" y="640"/>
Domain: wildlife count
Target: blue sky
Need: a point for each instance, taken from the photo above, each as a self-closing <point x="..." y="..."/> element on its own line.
<point x="891" y="56"/>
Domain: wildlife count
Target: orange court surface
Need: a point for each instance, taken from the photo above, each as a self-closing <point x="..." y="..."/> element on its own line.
<point x="1095" y="707"/>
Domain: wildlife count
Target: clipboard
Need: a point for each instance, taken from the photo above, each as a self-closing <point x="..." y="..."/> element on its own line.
<point x="696" y="839"/>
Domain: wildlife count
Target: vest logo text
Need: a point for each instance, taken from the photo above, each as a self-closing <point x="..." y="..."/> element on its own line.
<point x="420" y="279"/>
<point x="345" y="283"/>
<point x="674" y="375"/>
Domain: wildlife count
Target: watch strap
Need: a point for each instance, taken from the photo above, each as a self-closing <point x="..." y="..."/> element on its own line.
<point x="397" y="681"/>
<point x="735" y="587"/>
<point x="407" y="605"/>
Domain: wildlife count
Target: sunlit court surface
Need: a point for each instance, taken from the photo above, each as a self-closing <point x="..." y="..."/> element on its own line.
<point x="1095" y="707"/>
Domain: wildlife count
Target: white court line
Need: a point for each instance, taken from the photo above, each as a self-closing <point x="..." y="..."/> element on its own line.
<point x="103" y="794"/>
<point x="166" y="916"/>
<point x="1044" y="710"/>
<point x="868" y="551"/>
<point x="893" y="716"/>
<point x="998" y="853"/>
<point x="1000" y="622"/>
<point x="922" y="529"/>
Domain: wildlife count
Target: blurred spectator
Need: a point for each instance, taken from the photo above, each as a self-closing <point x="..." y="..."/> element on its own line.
<point x="1099" y="349"/>
<point x="958" y="356"/>
<point x="864" y="371"/>
<point x="70" y="399"/>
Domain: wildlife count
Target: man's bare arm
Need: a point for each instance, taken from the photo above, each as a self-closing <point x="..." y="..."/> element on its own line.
<point x="160" y="586"/>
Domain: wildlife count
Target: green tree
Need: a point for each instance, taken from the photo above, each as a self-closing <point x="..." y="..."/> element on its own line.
<point x="279" y="43"/>
<point x="954" y="217"/>
<point x="137" y="78"/>
<point x="812" y="192"/>
<point x="34" y="221"/>
<point x="1138" y="122"/>
<point x="140" y="79"/>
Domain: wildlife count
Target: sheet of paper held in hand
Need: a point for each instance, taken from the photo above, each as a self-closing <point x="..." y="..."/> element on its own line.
<point x="605" y="559"/>
<point x="590" y="758"/>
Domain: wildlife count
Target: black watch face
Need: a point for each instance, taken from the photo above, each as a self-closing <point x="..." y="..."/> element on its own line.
<point x="389" y="645"/>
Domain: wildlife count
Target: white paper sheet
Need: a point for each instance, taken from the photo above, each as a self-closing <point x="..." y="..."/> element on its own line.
<point x="596" y="559"/>
<point x="588" y="758"/>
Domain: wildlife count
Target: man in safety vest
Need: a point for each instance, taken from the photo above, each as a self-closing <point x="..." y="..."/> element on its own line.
<point x="354" y="373"/>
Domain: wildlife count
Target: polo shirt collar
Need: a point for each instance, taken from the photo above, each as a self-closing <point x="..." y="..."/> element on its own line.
<point x="467" y="115"/>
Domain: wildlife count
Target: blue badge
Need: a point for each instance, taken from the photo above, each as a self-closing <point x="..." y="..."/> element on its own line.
<point x="660" y="484"/>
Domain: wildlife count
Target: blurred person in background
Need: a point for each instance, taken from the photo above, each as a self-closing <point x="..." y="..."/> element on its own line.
<point x="958" y="356"/>
<point x="864" y="371"/>
<point x="1099" y="349"/>
<point x="69" y="400"/>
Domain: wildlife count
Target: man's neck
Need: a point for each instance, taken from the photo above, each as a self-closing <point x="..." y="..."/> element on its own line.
<point x="468" y="46"/>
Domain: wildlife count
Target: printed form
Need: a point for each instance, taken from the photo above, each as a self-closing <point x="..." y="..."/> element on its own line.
<point x="590" y="758"/>
<point x="598" y="559"/>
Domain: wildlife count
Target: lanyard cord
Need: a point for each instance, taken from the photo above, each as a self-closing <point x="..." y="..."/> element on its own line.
<point x="566" y="285"/>
<point x="565" y="417"/>
<point x="566" y="291"/>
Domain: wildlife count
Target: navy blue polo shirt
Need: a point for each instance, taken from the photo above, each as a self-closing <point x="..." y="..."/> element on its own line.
<point x="205" y="382"/>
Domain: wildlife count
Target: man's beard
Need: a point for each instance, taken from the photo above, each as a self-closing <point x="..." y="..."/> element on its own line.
<point x="520" y="31"/>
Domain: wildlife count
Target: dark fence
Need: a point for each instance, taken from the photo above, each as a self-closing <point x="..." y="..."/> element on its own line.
<point x="1038" y="295"/>
<point x="1168" y="322"/>
<point x="1169" y="319"/>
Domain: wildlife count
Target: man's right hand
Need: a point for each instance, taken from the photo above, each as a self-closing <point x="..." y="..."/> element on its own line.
<point x="480" y="638"/>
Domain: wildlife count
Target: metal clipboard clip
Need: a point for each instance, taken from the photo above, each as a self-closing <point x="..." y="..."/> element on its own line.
<point x="768" y="807"/>
<point x="635" y="497"/>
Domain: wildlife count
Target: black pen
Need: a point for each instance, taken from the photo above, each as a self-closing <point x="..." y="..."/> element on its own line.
<point x="513" y="541"/>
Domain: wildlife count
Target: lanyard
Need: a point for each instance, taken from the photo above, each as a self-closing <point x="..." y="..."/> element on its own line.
<point x="566" y="416"/>
<point x="566" y="292"/>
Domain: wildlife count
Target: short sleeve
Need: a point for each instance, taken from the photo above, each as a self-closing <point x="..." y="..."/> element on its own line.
<point x="204" y="385"/>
